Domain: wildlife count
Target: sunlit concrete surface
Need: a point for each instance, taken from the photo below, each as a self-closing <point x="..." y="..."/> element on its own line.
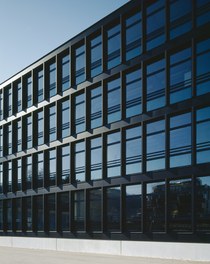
<point x="9" y="255"/>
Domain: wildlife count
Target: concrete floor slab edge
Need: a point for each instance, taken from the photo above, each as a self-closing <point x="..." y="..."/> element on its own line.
<point x="164" y="250"/>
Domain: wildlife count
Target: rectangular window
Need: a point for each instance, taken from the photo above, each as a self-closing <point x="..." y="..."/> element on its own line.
<point x="79" y="113"/>
<point x="133" y="36"/>
<point x="50" y="212"/>
<point x="65" y="73"/>
<point x="113" y="209"/>
<point x="203" y="135"/>
<point x="9" y="176"/>
<point x="133" y="93"/>
<point x="113" y="46"/>
<point x="155" y="145"/>
<point x="80" y="161"/>
<point x="40" y="127"/>
<point x="202" y="203"/>
<point x="155" y="24"/>
<point x="52" y="79"/>
<point x="40" y="88"/>
<point x="1" y="105"/>
<point x="19" y="175"/>
<point x="96" y="107"/>
<point x="180" y="140"/>
<point x="113" y="100"/>
<point x="65" y="156"/>
<point x="28" y="170"/>
<point x="1" y="142"/>
<point x="8" y="206"/>
<point x="155" y="207"/>
<point x="133" y="208"/>
<point x="180" y="17"/>
<point x="8" y="101"/>
<point x="28" y="213"/>
<point x="95" y="209"/>
<point x="8" y="135"/>
<point x="203" y="67"/>
<point x="40" y="170"/>
<point x="29" y="91"/>
<point x="19" y="135"/>
<point x="80" y="64"/>
<point x="39" y="213"/>
<point x="18" y="214"/>
<point x="52" y="123"/>
<point x="19" y="97"/>
<point x="96" y="56"/>
<point x="156" y="83"/>
<point x="52" y="167"/>
<point x="133" y="150"/>
<point x="180" y="205"/>
<point x="29" y="131"/>
<point x="1" y="177"/>
<point x="79" y="211"/>
<point x="65" y="118"/>
<point x="114" y="155"/>
<point x="180" y="76"/>
<point x="96" y="158"/>
<point x="64" y="211"/>
<point x="202" y="12"/>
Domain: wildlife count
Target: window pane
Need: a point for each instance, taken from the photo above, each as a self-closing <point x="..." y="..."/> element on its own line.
<point x="65" y="72"/>
<point x="180" y="76"/>
<point x="18" y="214"/>
<point x="96" y="56"/>
<point x="40" y="127"/>
<point x="28" y="169"/>
<point x="95" y="210"/>
<point x="40" y="170"/>
<point x="28" y="213"/>
<point x="52" y="167"/>
<point x="96" y="107"/>
<point x="1" y="105"/>
<point x="114" y="155"/>
<point x="155" y="24"/>
<point x="202" y="203"/>
<point x="29" y="91"/>
<point x="79" y="211"/>
<point x="180" y="140"/>
<point x="96" y="158"/>
<point x="52" y="79"/>
<point x="133" y="36"/>
<point x="50" y="212"/>
<point x="79" y="113"/>
<point x="180" y="204"/>
<point x="113" y="94"/>
<point x="64" y="211"/>
<point x="19" y="97"/>
<point x="19" y="135"/>
<point x="80" y="161"/>
<point x="203" y="67"/>
<point x="203" y="135"/>
<point x="155" y="145"/>
<point x="113" y="46"/>
<point x="19" y="175"/>
<point x="133" y="150"/>
<point x="8" y="214"/>
<point x="133" y="93"/>
<point x="65" y="119"/>
<point x="1" y="178"/>
<point x="133" y="207"/>
<point x="9" y="176"/>
<point x="52" y="123"/>
<point x="1" y="142"/>
<point x="202" y="12"/>
<point x="39" y="212"/>
<point x="156" y="85"/>
<point x="113" y="209"/>
<point x="29" y="132"/>
<point x="80" y="64"/>
<point x="65" y="154"/>
<point x="40" y="88"/>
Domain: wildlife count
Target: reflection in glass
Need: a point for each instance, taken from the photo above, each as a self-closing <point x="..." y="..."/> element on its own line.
<point x="52" y="79"/>
<point x="65" y="73"/>
<point x="180" y="76"/>
<point x="28" y="170"/>
<point x="95" y="209"/>
<point x="96" y="107"/>
<point x="9" y="176"/>
<point x="113" y="46"/>
<point x="133" y="207"/>
<point x="133" y="93"/>
<point x="79" y="211"/>
<point x="18" y="214"/>
<point x="19" y="136"/>
<point x="202" y="12"/>
<point x="80" y="64"/>
<point x="8" y="214"/>
<point x="50" y="212"/>
<point x="28" y="213"/>
<point x="65" y="156"/>
<point x="19" y="97"/>
<point x="180" y="140"/>
<point x="40" y="170"/>
<point x="155" y="206"/>
<point x="64" y="211"/>
<point x="65" y="118"/>
<point x="203" y="135"/>
<point x="29" y="91"/>
<point x="29" y="131"/>
<point x="133" y="150"/>
<point x="180" y="205"/>
<point x="114" y="154"/>
<point x="40" y="127"/>
<point x="96" y="56"/>
<point x="80" y="161"/>
<point x="79" y="113"/>
<point x="39" y="213"/>
<point x="1" y="177"/>
<point x="52" y="123"/>
<point x="19" y="175"/>
<point x="202" y="203"/>
<point x="40" y="88"/>
<point x="113" y="209"/>
<point x="52" y="167"/>
<point x="155" y="145"/>
<point x="156" y="85"/>
<point x="1" y="141"/>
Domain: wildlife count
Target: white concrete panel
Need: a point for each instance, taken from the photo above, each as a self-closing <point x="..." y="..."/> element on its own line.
<point x="185" y="251"/>
<point x="89" y="246"/>
<point x="6" y="241"/>
<point x="35" y="243"/>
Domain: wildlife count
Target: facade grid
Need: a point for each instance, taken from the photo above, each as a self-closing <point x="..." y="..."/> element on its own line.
<point x="108" y="136"/>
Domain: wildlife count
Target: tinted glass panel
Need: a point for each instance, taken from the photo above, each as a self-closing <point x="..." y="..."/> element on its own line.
<point x="96" y="56"/>
<point x="39" y="212"/>
<point x="113" y="209"/>
<point x="79" y="113"/>
<point x="96" y="107"/>
<point x="96" y="158"/>
<point x="80" y="64"/>
<point x="52" y="123"/>
<point x="202" y="12"/>
<point x="80" y="161"/>
<point x="40" y="83"/>
<point x="79" y="210"/>
<point x="50" y="212"/>
<point x="95" y="209"/>
<point x="114" y="44"/>
<point x="29" y="91"/>
<point x="64" y="211"/>
<point x="65" y="73"/>
<point x="52" y="167"/>
<point x="65" y="174"/>
<point x="65" y="119"/>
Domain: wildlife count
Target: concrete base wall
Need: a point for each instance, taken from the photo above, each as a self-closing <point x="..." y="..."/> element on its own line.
<point x="165" y="250"/>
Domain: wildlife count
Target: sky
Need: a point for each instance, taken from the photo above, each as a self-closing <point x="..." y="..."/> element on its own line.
<point x="29" y="29"/>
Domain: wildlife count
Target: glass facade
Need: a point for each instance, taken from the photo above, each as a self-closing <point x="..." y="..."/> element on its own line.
<point x="107" y="137"/>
